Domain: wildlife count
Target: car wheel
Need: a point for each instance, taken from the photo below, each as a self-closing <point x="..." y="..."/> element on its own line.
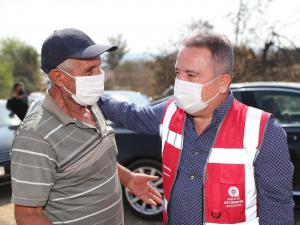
<point x="146" y="211"/>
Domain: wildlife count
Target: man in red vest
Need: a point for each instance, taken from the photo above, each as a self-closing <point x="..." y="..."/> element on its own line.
<point x="223" y="162"/>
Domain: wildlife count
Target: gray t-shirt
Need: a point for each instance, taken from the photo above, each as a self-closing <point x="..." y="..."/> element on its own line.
<point x="67" y="167"/>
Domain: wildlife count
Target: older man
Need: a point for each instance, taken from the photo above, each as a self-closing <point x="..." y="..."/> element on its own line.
<point x="223" y="162"/>
<point x="63" y="166"/>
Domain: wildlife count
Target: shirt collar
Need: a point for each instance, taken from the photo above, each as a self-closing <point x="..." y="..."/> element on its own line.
<point x="221" y="111"/>
<point x="53" y="108"/>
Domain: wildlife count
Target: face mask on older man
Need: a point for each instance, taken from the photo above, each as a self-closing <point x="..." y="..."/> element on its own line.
<point x="88" y="88"/>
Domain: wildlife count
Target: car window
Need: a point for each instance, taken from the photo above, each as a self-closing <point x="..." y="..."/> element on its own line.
<point x="285" y="106"/>
<point x="7" y="118"/>
<point x="237" y="94"/>
<point x="130" y="97"/>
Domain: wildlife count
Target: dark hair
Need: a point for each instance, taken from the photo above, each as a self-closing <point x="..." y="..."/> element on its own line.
<point x="17" y="84"/>
<point x="219" y="46"/>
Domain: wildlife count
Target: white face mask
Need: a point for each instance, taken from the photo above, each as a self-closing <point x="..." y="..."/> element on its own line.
<point x="188" y="95"/>
<point x="88" y="88"/>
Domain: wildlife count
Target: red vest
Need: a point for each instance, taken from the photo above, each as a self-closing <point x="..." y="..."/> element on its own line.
<point x="229" y="181"/>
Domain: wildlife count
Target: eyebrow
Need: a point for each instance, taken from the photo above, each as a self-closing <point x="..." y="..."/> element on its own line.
<point x="188" y="71"/>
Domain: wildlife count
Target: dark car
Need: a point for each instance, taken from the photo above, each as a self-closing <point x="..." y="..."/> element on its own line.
<point x="8" y="124"/>
<point x="138" y="152"/>
<point x="282" y="99"/>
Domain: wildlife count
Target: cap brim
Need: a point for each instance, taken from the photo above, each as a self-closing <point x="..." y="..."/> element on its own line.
<point x="93" y="51"/>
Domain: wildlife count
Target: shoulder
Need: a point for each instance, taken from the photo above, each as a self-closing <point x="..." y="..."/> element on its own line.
<point x="273" y="128"/>
<point x="10" y="101"/>
<point x="39" y="120"/>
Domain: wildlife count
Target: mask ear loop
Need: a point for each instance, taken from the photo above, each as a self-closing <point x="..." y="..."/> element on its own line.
<point x="212" y="98"/>
<point x="66" y="72"/>
<point x="72" y="95"/>
<point x="215" y="94"/>
<point x="211" y="80"/>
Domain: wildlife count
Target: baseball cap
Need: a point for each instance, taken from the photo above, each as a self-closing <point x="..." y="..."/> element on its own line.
<point x="69" y="43"/>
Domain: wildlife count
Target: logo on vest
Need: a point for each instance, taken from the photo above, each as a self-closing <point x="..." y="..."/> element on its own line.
<point x="233" y="191"/>
<point x="234" y="199"/>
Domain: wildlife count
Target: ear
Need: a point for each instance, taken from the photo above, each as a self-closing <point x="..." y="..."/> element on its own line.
<point x="224" y="83"/>
<point x="56" y="77"/>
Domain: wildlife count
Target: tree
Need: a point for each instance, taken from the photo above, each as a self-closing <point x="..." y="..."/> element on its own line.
<point x="24" y="62"/>
<point x="6" y="79"/>
<point x="163" y="63"/>
<point x="131" y="75"/>
<point x="261" y="51"/>
<point x="114" y="58"/>
<point x="250" y="23"/>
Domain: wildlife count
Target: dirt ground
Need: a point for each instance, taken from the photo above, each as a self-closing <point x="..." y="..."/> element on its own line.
<point x="7" y="215"/>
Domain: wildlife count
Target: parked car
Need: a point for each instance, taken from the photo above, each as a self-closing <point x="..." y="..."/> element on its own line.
<point x="138" y="152"/>
<point x="8" y="124"/>
<point x="282" y="99"/>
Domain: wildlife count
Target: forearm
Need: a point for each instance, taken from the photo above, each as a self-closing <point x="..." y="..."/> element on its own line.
<point x="139" y="119"/>
<point x="125" y="175"/>
<point x="30" y="216"/>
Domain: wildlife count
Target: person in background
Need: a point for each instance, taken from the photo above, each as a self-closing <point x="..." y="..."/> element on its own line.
<point x="223" y="162"/>
<point x="18" y="103"/>
<point x="63" y="167"/>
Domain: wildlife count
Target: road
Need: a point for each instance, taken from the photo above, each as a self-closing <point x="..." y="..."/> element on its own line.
<point x="7" y="218"/>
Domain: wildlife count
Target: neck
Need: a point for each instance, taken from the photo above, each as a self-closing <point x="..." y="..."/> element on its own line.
<point x="66" y="103"/>
<point x="203" y="118"/>
<point x="18" y="96"/>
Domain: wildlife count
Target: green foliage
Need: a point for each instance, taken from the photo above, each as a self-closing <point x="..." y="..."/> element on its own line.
<point x="164" y="72"/>
<point x="6" y="80"/>
<point x="131" y="75"/>
<point x="163" y="64"/>
<point x="21" y="63"/>
<point x="114" y="58"/>
<point x="277" y="59"/>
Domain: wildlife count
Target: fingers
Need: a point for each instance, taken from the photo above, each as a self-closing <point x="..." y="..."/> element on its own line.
<point x="151" y="198"/>
<point x="157" y="199"/>
<point x="152" y="178"/>
<point x="154" y="196"/>
<point x="151" y="202"/>
<point x="148" y="200"/>
<point x="155" y="192"/>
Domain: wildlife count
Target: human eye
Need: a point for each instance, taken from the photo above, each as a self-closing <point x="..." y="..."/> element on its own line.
<point x="192" y="75"/>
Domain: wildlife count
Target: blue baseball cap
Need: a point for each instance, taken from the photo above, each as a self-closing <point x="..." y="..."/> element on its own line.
<point x="69" y="43"/>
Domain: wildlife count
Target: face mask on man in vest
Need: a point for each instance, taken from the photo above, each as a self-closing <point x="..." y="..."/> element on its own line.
<point x="188" y="95"/>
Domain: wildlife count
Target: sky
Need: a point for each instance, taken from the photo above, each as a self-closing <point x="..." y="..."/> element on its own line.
<point x="146" y="25"/>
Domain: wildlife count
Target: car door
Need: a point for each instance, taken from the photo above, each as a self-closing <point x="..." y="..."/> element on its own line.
<point x="284" y="104"/>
